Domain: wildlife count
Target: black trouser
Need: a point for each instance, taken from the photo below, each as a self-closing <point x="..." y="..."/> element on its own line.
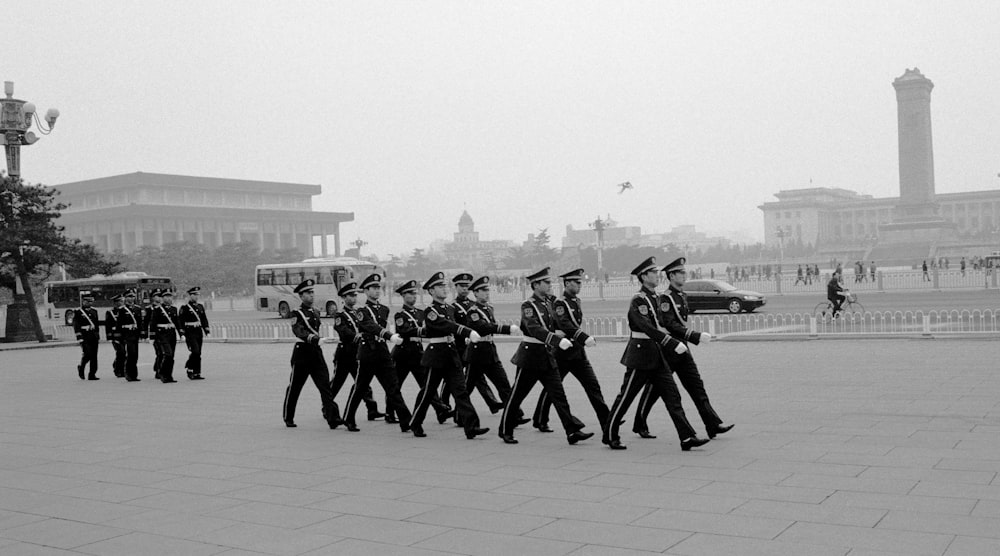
<point x="89" y="345"/>
<point x="131" y="346"/>
<point x="687" y="372"/>
<point x="453" y="377"/>
<point x="381" y="369"/>
<point x="344" y="366"/>
<point x="194" y="337"/>
<point x="158" y="361"/>
<point x="119" y="365"/>
<point x="478" y="372"/>
<point x="420" y="375"/>
<point x="524" y="381"/>
<point x="479" y="384"/>
<point x="307" y="362"/>
<point x="167" y="342"/>
<point x="663" y="386"/>
<point x="837" y="302"/>
<point x="584" y="372"/>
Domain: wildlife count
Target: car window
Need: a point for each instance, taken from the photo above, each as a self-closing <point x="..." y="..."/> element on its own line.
<point x="726" y="287"/>
<point x="693" y="287"/>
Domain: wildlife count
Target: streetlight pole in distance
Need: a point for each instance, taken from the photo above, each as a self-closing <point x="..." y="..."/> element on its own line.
<point x="782" y="234"/>
<point x="599" y="226"/>
<point x="359" y="243"/>
<point x="16" y="117"/>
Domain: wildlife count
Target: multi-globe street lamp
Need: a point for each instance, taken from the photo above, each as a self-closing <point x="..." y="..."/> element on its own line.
<point x="599" y="226"/>
<point x="16" y="117"/>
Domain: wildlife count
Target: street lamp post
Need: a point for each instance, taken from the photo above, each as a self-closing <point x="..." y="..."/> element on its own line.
<point x="782" y="234"/>
<point x="16" y="117"/>
<point x="359" y="243"/>
<point x="599" y="227"/>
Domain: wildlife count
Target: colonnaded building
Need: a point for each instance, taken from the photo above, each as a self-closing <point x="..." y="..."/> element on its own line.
<point x="129" y="211"/>
<point x="919" y="224"/>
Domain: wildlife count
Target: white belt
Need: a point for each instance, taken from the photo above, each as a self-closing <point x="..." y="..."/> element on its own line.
<point x="531" y="340"/>
<point x="86" y="327"/>
<point x="444" y="340"/>
<point x="165" y="325"/>
<point x="414" y="339"/>
<point x="128" y="326"/>
<point x="193" y="324"/>
<point x="640" y="335"/>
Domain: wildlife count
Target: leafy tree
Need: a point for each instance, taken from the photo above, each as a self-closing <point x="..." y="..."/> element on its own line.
<point x="541" y="252"/>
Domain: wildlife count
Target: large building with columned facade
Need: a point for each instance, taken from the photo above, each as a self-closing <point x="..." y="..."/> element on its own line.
<point x="129" y="211"/>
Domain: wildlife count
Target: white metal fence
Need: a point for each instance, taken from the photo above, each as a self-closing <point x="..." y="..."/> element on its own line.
<point x="744" y="326"/>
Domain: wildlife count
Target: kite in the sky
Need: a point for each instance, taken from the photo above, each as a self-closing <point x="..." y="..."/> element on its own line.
<point x="624" y="186"/>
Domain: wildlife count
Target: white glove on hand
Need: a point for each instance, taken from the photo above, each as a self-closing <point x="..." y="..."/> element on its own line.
<point x="565" y="344"/>
<point x="515" y="329"/>
<point x="591" y="342"/>
<point x="474" y="337"/>
<point x="705" y="337"/>
<point x="681" y="348"/>
<point x="396" y="339"/>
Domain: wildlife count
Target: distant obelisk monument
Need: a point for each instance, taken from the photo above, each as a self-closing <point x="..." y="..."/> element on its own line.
<point x="916" y="217"/>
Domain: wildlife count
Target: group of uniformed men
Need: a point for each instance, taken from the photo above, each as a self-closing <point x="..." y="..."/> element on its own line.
<point x="460" y="352"/>
<point x="126" y="323"/>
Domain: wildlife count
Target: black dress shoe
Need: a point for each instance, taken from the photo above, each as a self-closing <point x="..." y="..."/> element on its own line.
<point x="577" y="436"/>
<point x="290" y="424"/>
<point x="616" y="445"/>
<point x="391" y="419"/>
<point x="523" y="421"/>
<point x="476" y="432"/>
<point x="197" y="377"/>
<point x="692" y="442"/>
<point x="418" y="431"/>
<point x="494" y="409"/>
<point x="442" y="417"/>
<point x="373" y="415"/>
<point x="645" y="434"/>
<point x="93" y="378"/>
<point x="508" y="439"/>
<point x="352" y="427"/>
<point x="190" y="375"/>
<point x="715" y="431"/>
<point x="127" y="379"/>
<point x="543" y="428"/>
<point x="79" y="370"/>
<point x="335" y="423"/>
<point x="167" y="380"/>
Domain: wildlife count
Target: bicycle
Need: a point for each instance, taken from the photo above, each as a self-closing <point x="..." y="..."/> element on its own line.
<point x="850" y="307"/>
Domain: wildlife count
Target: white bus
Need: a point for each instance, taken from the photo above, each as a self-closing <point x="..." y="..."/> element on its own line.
<point x="276" y="283"/>
<point x="63" y="298"/>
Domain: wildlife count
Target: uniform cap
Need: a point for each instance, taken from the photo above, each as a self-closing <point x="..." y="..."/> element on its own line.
<point x="645" y="266"/>
<point x="462" y="279"/>
<point x="436" y="279"/>
<point x="407" y="287"/>
<point x="350" y="288"/>
<point x="481" y="283"/>
<point x="305" y="286"/>
<point x="118" y="297"/>
<point x="371" y="280"/>
<point x="676" y="264"/>
<point x="167" y="293"/>
<point x="130" y="293"/>
<point x="86" y="295"/>
<point x="156" y="293"/>
<point x="196" y="289"/>
<point x="573" y="275"/>
<point x="539" y="276"/>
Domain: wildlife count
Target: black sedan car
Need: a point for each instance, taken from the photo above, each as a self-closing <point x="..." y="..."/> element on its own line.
<point x="708" y="295"/>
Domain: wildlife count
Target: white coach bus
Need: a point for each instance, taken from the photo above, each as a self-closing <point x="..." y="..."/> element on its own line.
<point x="275" y="283"/>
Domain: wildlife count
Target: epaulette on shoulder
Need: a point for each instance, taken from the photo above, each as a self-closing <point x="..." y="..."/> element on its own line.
<point x="638" y="295"/>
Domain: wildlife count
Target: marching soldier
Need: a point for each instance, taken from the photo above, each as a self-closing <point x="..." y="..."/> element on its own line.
<point x="308" y="361"/>
<point x="408" y="355"/>
<point x="673" y="312"/>
<point x="345" y="358"/>
<point x="374" y="360"/>
<point x="195" y="327"/>
<point x="644" y="363"/>
<point x="129" y="322"/>
<point x="482" y="356"/>
<point x="149" y="332"/>
<point x="463" y="305"/>
<point x="113" y="334"/>
<point x="87" y="334"/>
<point x="568" y="318"/>
<point x="535" y="363"/>
<point x="164" y="325"/>
<point x="443" y="363"/>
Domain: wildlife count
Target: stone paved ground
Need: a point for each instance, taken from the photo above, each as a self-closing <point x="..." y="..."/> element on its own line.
<point x="859" y="448"/>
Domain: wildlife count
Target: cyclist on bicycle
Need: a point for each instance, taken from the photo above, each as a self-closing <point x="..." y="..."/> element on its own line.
<point x="835" y="293"/>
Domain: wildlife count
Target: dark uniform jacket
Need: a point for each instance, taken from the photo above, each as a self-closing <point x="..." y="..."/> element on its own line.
<point x="128" y="322"/>
<point x="482" y="320"/>
<point x="439" y="322"/>
<point x="537" y="324"/>
<point x="147" y="321"/>
<point x="674" y="316"/>
<point x="193" y="317"/>
<point x="832" y="287"/>
<point x="644" y="353"/>
<point x="409" y="325"/>
<point x="462" y="307"/>
<point x="163" y="320"/>
<point x="306" y="328"/>
<point x="111" y="325"/>
<point x="346" y="325"/>
<point x="568" y="318"/>
<point x="374" y="327"/>
<point x="85" y="324"/>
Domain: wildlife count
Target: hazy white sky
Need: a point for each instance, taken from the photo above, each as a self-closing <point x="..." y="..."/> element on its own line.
<point x="525" y="113"/>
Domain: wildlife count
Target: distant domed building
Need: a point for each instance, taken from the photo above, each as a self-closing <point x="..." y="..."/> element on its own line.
<point x="473" y="254"/>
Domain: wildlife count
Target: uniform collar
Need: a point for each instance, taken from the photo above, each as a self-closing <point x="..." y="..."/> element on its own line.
<point x="539" y="297"/>
<point x="440" y="303"/>
<point x="672" y="289"/>
<point x="410" y="309"/>
<point x="647" y="291"/>
<point x="373" y="302"/>
<point x="568" y="295"/>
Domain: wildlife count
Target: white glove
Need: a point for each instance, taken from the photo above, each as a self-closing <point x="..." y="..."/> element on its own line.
<point x="515" y="329"/>
<point x="591" y="342"/>
<point x="474" y="337"/>
<point x="565" y="344"/>
<point x="705" y="337"/>
<point x="329" y="340"/>
<point x="681" y="348"/>
<point x="396" y="339"/>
